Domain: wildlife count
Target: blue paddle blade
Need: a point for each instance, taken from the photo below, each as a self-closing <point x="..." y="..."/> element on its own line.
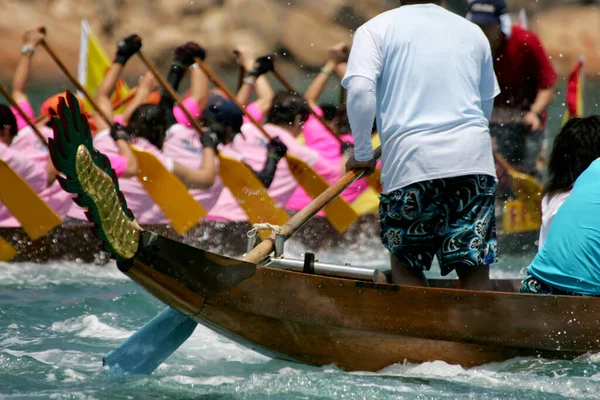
<point x="149" y="347"/>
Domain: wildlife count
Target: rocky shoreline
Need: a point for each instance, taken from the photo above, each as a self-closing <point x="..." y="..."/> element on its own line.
<point x="301" y="30"/>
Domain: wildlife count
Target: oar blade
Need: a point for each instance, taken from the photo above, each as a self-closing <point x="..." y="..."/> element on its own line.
<point x="7" y="251"/>
<point x="36" y="217"/>
<point x="250" y="193"/>
<point x="180" y="208"/>
<point x="374" y="180"/>
<point x="149" y="347"/>
<point x="338" y="212"/>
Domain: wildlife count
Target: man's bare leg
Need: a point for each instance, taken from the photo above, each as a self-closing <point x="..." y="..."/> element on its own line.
<point x="474" y="278"/>
<point x="405" y="276"/>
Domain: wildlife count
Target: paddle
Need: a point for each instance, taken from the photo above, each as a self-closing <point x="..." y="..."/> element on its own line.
<point x="526" y="188"/>
<point x="339" y="214"/>
<point x="249" y="192"/>
<point x="146" y="349"/>
<point x="180" y="208"/>
<point x="7" y="251"/>
<point x="37" y="218"/>
<point x="374" y="179"/>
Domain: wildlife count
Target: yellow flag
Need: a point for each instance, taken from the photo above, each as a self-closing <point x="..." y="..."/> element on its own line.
<point x="93" y="64"/>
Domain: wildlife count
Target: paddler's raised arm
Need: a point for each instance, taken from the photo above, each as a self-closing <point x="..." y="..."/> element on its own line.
<point x="126" y="48"/>
<point x="338" y="54"/>
<point x="254" y="79"/>
<point x="182" y="60"/>
<point x="31" y="40"/>
<point x="364" y="69"/>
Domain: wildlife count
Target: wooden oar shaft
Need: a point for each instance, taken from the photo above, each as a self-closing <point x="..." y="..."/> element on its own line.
<point x="75" y="82"/>
<point x="14" y="104"/>
<point x="172" y="93"/>
<point x="241" y="73"/>
<point x="502" y="161"/>
<point x="290" y="88"/>
<point x="297" y="221"/>
<point x="225" y="89"/>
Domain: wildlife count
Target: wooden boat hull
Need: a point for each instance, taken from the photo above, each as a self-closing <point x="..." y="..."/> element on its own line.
<point x="76" y="241"/>
<point x="359" y="325"/>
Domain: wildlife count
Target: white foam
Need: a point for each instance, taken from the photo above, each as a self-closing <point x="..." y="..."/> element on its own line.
<point x="209" y="381"/>
<point x="89" y="326"/>
<point x="32" y="274"/>
<point x="205" y="344"/>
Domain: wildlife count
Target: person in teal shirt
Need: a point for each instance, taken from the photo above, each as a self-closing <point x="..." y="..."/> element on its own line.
<point x="569" y="260"/>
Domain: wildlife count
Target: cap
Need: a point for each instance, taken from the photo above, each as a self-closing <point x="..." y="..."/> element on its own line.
<point x="51" y="103"/>
<point x="225" y="112"/>
<point x="486" y="12"/>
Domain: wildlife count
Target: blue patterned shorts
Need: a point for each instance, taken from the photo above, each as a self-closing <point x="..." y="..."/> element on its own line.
<point x="452" y="218"/>
<point x="532" y="285"/>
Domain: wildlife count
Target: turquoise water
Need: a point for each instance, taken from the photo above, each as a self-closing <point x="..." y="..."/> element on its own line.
<point x="58" y="320"/>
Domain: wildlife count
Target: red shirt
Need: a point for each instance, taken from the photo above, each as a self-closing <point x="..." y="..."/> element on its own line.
<point x="523" y="69"/>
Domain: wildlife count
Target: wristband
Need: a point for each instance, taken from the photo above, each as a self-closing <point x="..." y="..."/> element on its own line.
<point x="27" y="51"/>
<point x="250" y="80"/>
<point x="327" y="71"/>
<point x="176" y="63"/>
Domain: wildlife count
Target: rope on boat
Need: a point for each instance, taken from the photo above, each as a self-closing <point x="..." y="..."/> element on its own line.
<point x="264" y="227"/>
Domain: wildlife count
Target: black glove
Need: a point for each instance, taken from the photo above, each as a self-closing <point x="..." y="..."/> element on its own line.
<point x="127" y="47"/>
<point x="118" y="131"/>
<point x="346" y="147"/>
<point x="276" y="148"/>
<point x="262" y="65"/>
<point x="210" y="139"/>
<point x="184" y="55"/>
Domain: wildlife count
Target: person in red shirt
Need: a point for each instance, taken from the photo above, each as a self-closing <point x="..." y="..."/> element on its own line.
<point x="527" y="80"/>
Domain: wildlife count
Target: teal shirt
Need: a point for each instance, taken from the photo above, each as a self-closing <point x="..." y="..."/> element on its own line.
<point x="570" y="258"/>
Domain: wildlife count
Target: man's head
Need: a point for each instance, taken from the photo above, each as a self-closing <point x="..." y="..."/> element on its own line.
<point x="492" y="17"/>
<point x="8" y="125"/>
<point x="290" y="111"/>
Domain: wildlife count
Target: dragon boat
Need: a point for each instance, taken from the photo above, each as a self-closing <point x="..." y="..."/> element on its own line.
<point x="322" y="314"/>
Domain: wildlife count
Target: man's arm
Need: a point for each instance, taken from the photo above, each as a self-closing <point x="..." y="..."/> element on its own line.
<point x="547" y="77"/>
<point x="361" y="109"/>
<point x="364" y="68"/>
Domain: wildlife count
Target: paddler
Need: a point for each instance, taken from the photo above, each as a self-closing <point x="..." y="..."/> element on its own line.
<point x="428" y="76"/>
<point x="568" y="263"/>
<point x="575" y="148"/>
<point x="34" y="174"/>
<point x="318" y="137"/>
<point x="528" y="83"/>
<point x="146" y="129"/>
<point x="286" y="115"/>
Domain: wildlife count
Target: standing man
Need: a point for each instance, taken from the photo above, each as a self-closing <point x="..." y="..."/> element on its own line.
<point x="528" y="82"/>
<point x="428" y="75"/>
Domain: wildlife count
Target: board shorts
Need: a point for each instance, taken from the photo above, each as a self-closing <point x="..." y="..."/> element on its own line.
<point x="531" y="285"/>
<point x="452" y="218"/>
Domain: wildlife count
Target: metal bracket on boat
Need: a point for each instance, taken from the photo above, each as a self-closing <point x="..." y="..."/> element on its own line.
<point x="276" y="229"/>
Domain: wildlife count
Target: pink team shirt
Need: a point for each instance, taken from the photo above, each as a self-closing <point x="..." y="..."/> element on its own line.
<point x="183" y="144"/>
<point x="31" y="172"/>
<point x="28" y="110"/>
<point x="137" y="199"/>
<point x="319" y="138"/>
<point x="226" y="207"/>
<point x="28" y="144"/>
<point x="253" y="148"/>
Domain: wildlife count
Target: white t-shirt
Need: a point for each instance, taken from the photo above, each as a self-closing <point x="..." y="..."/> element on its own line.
<point x="550" y="206"/>
<point x="433" y="70"/>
